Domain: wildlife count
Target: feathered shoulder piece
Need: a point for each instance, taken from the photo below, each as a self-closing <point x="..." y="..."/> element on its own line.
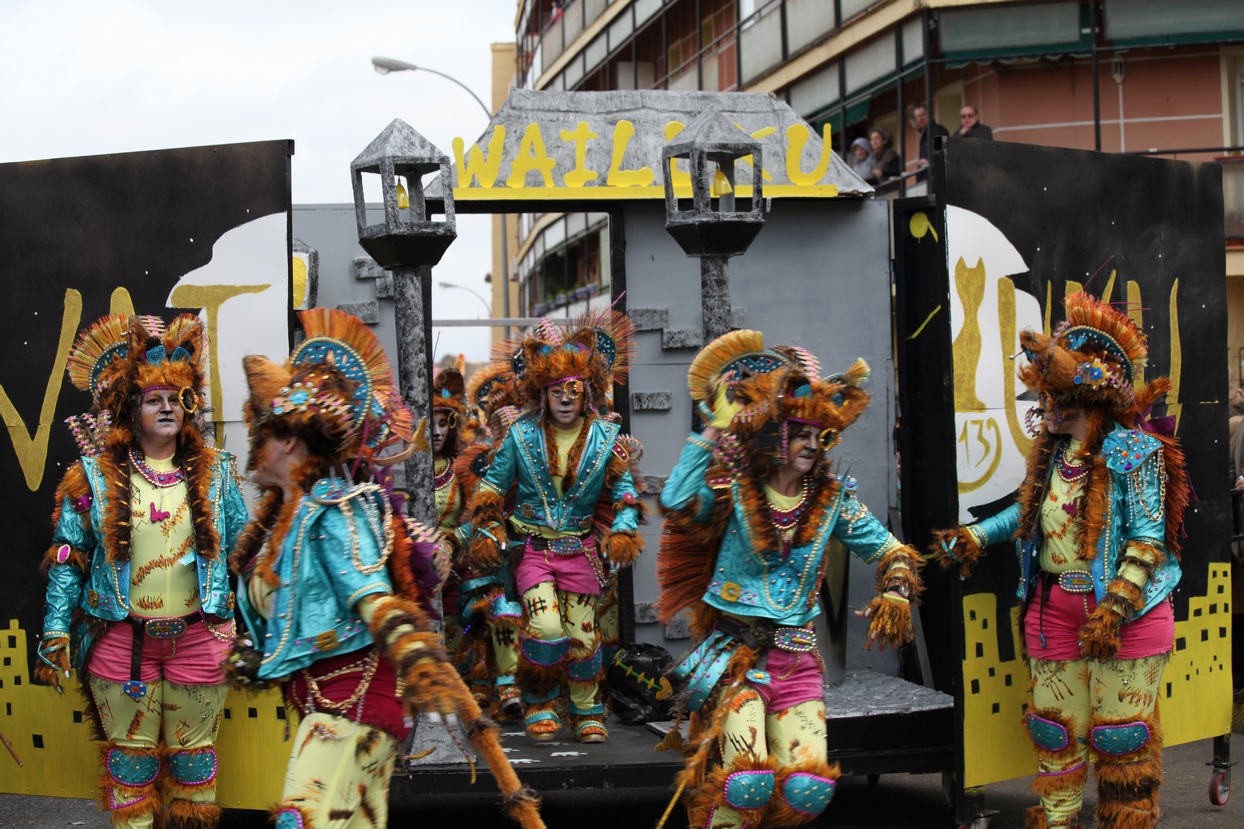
<point x="490" y="388"/>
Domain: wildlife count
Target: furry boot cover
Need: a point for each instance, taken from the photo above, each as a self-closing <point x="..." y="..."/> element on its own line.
<point x="711" y="796"/>
<point x="192" y="814"/>
<point x="1060" y="783"/>
<point x="128" y="784"/>
<point x="802" y="793"/>
<point x="191" y="783"/>
<point x="1127" y="785"/>
<point x="1036" y="818"/>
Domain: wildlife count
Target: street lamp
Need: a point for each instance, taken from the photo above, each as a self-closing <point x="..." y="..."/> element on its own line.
<point x="472" y="291"/>
<point x="386" y="65"/>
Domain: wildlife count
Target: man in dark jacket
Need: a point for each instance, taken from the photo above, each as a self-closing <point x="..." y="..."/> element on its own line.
<point x="928" y="130"/>
<point x="970" y="125"/>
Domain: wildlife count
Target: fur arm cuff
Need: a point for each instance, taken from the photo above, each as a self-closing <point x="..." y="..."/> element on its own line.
<point x="1099" y="638"/>
<point x="891" y="623"/>
<point x="399" y="627"/>
<point x="1139" y="561"/>
<point x="489" y="541"/>
<point x="53" y="660"/>
<point x="622" y="548"/>
<point x="899" y="569"/>
<point x="961" y="547"/>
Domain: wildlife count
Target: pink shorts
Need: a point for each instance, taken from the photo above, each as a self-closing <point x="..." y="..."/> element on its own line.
<point x="573" y="573"/>
<point x="1065" y="613"/>
<point x="794" y="678"/>
<point x="194" y="658"/>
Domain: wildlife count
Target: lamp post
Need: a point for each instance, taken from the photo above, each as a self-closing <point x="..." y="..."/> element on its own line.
<point x="386" y="65"/>
<point x="407" y="242"/>
<point x="471" y="291"/>
<point x="711" y="145"/>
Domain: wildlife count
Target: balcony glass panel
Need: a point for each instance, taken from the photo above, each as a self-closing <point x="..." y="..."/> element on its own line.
<point x="970" y="30"/>
<point x="815" y="92"/>
<point x="913" y="40"/>
<point x="807" y="20"/>
<point x="761" y="43"/>
<point x="1126" y="19"/>
<point x="871" y="63"/>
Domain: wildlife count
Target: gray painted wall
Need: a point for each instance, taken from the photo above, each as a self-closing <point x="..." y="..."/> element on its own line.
<point x="817" y="276"/>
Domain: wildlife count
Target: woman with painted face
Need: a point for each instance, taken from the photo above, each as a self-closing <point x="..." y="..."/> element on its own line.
<point x="447" y="425"/>
<point x="750" y="510"/>
<point x="138" y="592"/>
<point x="1096" y="528"/>
<point x="565" y="459"/>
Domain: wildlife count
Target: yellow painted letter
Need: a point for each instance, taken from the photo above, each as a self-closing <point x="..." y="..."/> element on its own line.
<point x="32" y="453"/>
<point x="531" y="157"/>
<point x="626" y="178"/>
<point x="210" y="298"/>
<point x="580" y="175"/>
<point x="796" y="138"/>
<point x="482" y="169"/>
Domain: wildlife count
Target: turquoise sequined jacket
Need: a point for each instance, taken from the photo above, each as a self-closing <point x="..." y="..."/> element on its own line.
<point x="1135" y="512"/>
<point x="522" y="459"/>
<point x="752" y="581"/>
<point x="334" y="554"/>
<point x="103" y="591"/>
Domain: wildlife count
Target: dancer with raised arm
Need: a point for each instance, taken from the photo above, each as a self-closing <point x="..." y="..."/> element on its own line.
<point x="751" y="509"/>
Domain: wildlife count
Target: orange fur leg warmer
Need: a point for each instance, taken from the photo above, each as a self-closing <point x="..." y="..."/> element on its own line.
<point x="735" y="796"/>
<point x="1127" y="783"/>
<point x="127" y="786"/>
<point x="803" y="792"/>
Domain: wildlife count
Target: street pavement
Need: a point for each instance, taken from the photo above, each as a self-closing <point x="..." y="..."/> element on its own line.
<point x="910" y="801"/>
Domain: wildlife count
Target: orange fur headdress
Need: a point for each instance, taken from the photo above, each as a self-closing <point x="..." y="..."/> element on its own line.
<point x="492" y="387"/>
<point x="596" y="352"/>
<point x="336" y="389"/>
<point x="1091" y="358"/>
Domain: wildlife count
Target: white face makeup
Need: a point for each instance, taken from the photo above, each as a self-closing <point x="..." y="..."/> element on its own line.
<point x="803" y="447"/>
<point x="161" y="415"/>
<point x="440" y="429"/>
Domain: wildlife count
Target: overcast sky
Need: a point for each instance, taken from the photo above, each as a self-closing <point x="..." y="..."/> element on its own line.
<point x="85" y="78"/>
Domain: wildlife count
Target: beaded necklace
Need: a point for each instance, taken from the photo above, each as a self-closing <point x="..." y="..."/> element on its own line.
<point x="445" y="478"/>
<point x="162" y="480"/>
<point x="1069" y="472"/>
<point x="785" y="521"/>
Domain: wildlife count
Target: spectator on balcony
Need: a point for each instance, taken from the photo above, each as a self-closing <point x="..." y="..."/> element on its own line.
<point x="970" y="125"/>
<point x="862" y="159"/>
<point x="928" y="131"/>
<point x="886" y="163"/>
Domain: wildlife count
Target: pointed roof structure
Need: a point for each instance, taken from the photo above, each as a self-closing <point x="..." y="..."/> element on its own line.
<point x="399" y="144"/>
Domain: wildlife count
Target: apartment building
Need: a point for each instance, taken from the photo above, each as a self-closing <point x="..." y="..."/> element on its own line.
<point x="1117" y="75"/>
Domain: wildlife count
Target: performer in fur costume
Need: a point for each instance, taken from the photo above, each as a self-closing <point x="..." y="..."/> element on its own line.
<point x="450" y="433"/>
<point x="488" y="654"/>
<point x="1097" y="528"/>
<point x="750" y="510"/>
<point x="335" y="593"/>
<point x="564" y="459"/>
<point x="138" y="593"/>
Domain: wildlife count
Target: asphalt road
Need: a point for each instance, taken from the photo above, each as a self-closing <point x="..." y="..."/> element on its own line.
<point x="909" y="801"/>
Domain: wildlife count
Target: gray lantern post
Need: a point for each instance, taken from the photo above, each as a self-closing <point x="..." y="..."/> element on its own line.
<point x="711" y="144"/>
<point x="408" y="243"/>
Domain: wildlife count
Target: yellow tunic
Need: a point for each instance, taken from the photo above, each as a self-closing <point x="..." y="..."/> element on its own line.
<point x="448" y="499"/>
<point x="164" y="578"/>
<point x="565" y="440"/>
<point x="1058" y="552"/>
